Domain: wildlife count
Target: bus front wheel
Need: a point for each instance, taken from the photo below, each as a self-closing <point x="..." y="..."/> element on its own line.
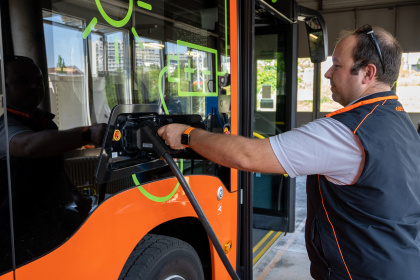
<point x="159" y="257"/>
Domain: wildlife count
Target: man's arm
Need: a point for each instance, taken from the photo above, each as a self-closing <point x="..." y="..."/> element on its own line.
<point x="51" y="142"/>
<point x="238" y="152"/>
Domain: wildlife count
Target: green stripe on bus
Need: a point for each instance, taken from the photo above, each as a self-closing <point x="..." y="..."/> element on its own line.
<point x="89" y="28"/>
<point x="144" y="5"/>
<point x="153" y="197"/>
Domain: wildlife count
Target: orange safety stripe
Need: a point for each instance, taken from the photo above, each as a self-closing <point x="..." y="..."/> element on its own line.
<point x="335" y="236"/>
<point x="19" y="113"/>
<point x="367" y="116"/>
<point x="361" y="103"/>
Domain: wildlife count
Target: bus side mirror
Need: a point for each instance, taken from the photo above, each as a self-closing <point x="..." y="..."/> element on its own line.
<point x="318" y="42"/>
<point x="317" y="34"/>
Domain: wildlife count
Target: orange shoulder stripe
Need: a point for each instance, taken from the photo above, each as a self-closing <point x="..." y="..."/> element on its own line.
<point x="19" y="113"/>
<point x="361" y="103"/>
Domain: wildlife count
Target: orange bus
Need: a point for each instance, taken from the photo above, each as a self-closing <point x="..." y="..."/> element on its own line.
<point x="227" y="66"/>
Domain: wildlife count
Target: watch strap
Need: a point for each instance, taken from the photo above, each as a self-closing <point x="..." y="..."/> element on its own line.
<point x="188" y="130"/>
<point x="185" y="137"/>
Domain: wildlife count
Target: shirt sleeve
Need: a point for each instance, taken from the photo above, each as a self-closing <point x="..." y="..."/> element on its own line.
<point x="15" y="127"/>
<point x="324" y="146"/>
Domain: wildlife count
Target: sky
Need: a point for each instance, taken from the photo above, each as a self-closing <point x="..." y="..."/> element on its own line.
<point x="66" y="42"/>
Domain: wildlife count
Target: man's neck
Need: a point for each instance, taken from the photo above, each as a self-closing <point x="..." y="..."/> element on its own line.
<point x="378" y="87"/>
<point x="371" y="90"/>
<point x="375" y="88"/>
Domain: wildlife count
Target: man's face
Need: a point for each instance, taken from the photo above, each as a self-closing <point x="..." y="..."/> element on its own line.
<point x="24" y="85"/>
<point x="344" y="86"/>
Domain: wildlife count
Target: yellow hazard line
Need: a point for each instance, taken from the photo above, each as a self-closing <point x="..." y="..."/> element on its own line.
<point x="262" y="241"/>
<point x="266" y="247"/>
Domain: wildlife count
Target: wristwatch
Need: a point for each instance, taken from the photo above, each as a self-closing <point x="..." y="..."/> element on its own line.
<point x="185" y="137"/>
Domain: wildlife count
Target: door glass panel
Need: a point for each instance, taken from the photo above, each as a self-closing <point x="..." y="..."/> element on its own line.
<point x="271" y="115"/>
<point x="66" y="69"/>
<point x="5" y="233"/>
<point x="270" y="118"/>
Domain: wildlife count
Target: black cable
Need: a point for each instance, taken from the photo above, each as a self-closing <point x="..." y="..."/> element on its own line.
<point x="162" y="151"/>
<point x="203" y="219"/>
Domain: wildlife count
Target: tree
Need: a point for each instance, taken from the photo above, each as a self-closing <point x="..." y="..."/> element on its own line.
<point x="61" y="64"/>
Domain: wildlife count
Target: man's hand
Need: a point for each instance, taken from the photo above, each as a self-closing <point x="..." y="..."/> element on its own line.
<point x="171" y="133"/>
<point x="238" y="152"/>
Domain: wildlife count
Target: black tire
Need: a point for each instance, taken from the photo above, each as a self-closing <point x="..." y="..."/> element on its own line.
<point x="159" y="257"/>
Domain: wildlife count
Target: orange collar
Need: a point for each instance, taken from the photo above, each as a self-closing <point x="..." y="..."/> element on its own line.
<point x="19" y="113"/>
<point x="361" y="103"/>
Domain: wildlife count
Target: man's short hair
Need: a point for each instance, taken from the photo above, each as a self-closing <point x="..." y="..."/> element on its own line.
<point x="365" y="53"/>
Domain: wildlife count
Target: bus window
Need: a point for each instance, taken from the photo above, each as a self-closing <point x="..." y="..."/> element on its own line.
<point x="305" y="94"/>
<point x="110" y="70"/>
<point x="97" y="49"/>
<point x="148" y="64"/>
<point x="66" y="69"/>
<point x="179" y="76"/>
<point x="408" y="83"/>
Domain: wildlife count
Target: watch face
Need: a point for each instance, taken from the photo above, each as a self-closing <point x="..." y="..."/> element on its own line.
<point x="185" y="139"/>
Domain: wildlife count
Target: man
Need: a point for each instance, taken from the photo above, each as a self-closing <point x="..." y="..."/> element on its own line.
<point x="41" y="190"/>
<point x="363" y="217"/>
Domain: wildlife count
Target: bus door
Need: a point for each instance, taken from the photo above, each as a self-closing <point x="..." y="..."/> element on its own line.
<point x="275" y="59"/>
<point x="274" y="110"/>
<point x="269" y="105"/>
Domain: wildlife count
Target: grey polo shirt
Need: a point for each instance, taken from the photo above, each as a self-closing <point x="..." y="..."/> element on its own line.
<point x="324" y="146"/>
<point x="14" y="128"/>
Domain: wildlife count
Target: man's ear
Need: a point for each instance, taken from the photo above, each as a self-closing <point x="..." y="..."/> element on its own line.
<point x="369" y="73"/>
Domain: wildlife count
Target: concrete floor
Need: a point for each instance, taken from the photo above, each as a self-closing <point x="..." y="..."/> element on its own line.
<point x="287" y="259"/>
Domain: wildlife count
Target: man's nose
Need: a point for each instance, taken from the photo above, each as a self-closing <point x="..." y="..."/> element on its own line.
<point x="328" y="74"/>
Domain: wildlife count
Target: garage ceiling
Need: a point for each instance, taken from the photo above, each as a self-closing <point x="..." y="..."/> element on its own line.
<point x="335" y="5"/>
<point x="400" y="17"/>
